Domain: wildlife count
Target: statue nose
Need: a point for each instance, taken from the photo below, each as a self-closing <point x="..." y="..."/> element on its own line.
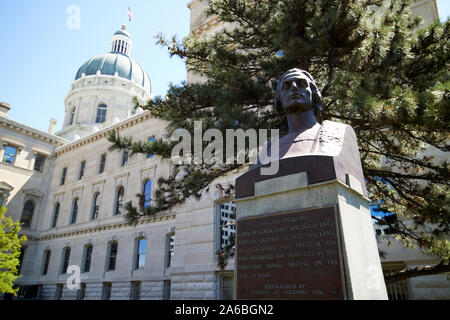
<point x="296" y="88"/>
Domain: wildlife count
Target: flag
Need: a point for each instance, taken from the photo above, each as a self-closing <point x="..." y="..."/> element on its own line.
<point x="130" y="14"/>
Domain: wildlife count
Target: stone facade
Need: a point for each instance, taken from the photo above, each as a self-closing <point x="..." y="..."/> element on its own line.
<point x="181" y="245"/>
<point x="192" y="273"/>
<point x="179" y="258"/>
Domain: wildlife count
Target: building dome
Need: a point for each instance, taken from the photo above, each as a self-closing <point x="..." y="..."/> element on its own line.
<point x="104" y="90"/>
<point x="110" y="63"/>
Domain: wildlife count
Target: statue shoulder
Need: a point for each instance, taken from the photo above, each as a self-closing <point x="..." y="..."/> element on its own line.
<point x="333" y="135"/>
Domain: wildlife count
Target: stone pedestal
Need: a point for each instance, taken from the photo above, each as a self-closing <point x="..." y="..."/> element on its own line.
<point x="305" y="233"/>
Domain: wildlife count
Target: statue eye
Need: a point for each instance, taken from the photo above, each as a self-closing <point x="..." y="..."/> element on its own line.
<point x="302" y="83"/>
<point x="287" y="85"/>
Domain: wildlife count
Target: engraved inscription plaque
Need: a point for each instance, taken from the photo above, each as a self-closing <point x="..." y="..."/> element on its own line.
<point x="293" y="255"/>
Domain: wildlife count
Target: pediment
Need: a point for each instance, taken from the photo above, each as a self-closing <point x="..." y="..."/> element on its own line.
<point x="5" y="186"/>
<point x="33" y="192"/>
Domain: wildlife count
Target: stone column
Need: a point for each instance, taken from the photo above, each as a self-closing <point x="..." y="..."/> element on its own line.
<point x="2" y="150"/>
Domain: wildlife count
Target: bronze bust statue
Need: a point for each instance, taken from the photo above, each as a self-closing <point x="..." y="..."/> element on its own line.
<point x="299" y="98"/>
<point x="326" y="150"/>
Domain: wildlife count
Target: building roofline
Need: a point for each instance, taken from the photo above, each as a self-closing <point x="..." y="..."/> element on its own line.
<point x="132" y="120"/>
<point x="34" y="133"/>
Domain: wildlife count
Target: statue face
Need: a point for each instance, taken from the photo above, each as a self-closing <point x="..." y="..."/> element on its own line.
<point x="296" y="93"/>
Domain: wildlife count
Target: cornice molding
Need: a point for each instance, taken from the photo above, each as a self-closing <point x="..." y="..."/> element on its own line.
<point x="105" y="89"/>
<point x="102" y="133"/>
<point x="96" y="229"/>
<point x="206" y="26"/>
<point x="31" y="132"/>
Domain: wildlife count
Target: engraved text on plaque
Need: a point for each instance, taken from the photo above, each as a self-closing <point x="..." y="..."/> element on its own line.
<point x="290" y="256"/>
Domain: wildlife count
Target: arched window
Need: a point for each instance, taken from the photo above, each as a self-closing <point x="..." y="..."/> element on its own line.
<point x="119" y="200"/>
<point x="101" y="113"/>
<point x="72" y="116"/>
<point x="73" y="217"/>
<point x="55" y="215"/>
<point x="147" y="192"/>
<point x="95" y="207"/>
<point x="27" y="214"/>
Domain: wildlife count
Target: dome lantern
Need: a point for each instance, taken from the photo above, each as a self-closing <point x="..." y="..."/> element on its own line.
<point x="121" y="42"/>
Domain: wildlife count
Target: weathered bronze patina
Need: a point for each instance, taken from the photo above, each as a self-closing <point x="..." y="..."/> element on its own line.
<point x="326" y="151"/>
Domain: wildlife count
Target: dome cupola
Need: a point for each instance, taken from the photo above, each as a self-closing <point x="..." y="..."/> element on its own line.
<point x="117" y="61"/>
<point x="121" y="42"/>
<point x="103" y="91"/>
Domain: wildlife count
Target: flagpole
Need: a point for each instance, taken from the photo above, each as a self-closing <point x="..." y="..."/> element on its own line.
<point x="126" y="17"/>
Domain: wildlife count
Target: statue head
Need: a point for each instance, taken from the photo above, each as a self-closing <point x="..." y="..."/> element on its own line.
<point x="298" y="92"/>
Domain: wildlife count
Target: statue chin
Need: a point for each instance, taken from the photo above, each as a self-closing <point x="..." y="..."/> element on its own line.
<point x="298" y="107"/>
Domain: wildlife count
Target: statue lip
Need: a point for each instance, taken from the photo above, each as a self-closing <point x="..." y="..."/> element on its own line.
<point x="296" y="95"/>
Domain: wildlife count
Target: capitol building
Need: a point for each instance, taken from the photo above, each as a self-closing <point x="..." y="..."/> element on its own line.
<point x="68" y="191"/>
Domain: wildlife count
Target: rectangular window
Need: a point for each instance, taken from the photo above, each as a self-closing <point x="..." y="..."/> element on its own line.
<point x="27" y="214"/>
<point x="39" y="162"/>
<point x="135" y="293"/>
<point x="113" y="246"/>
<point x="22" y="254"/>
<point x="106" y="292"/>
<point x="227" y="224"/>
<point x="81" y="292"/>
<point x="166" y="290"/>
<point x="170" y="249"/>
<point x="73" y="218"/>
<point x="59" y="291"/>
<point x="125" y="157"/>
<point x="47" y="254"/>
<point x="10" y="154"/>
<point x="55" y="215"/>
<point x="140" y="254"/>
<point x="82" y="166"/>
<point x="151" y="139"/>
<point x="87" y="258"/>
<point x="396" y="290"/>
<point x="65" y="261"/>
<point x="101" y="114"/>
<point x="63" y="175"/>
<point x="101" y="167"/>
<point x="119" y="200"/>
<point x="226" y="286"/>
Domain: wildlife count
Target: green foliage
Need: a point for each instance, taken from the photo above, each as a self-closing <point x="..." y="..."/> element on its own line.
<point x="10" y="245"/>
<point x="377" y="71"/>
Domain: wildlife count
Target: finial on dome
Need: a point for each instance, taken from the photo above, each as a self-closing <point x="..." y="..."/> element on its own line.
<point x="124" y="27"/>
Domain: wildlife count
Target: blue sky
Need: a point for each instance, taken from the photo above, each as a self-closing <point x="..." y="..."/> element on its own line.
<point x="40" y="54"/>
